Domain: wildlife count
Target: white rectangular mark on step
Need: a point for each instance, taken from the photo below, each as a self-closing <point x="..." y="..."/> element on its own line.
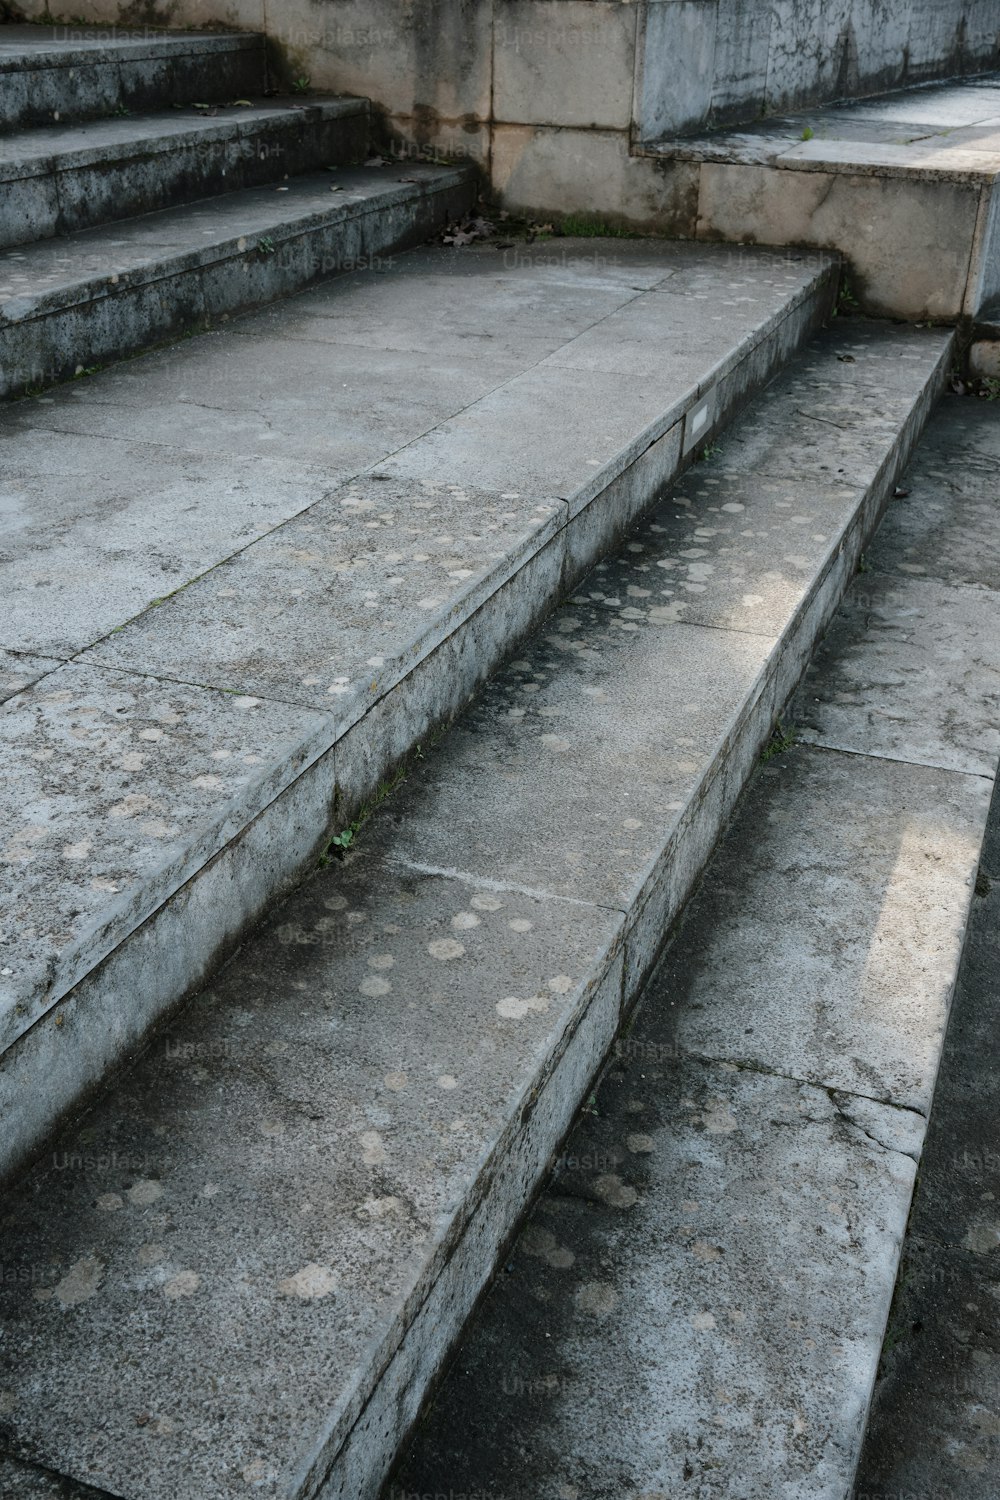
<point x="699" y="421"/>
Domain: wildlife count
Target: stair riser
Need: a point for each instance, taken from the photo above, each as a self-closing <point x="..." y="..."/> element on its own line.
<point x="89" y="85"/>
<point x="106" y="1015"/>
<point x="934" y="257"/>
<point x="118" y="320"/>
<point x="97" y="192"/>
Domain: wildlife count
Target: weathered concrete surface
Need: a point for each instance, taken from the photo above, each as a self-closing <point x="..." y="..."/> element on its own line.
<point x="546" y="95"/>
<point x="18" y="671"/>
<point x="933" y="1427"/>
<point x="382" y="1067"/>
<point x="118" y="787"/>
<point x="119" y="289"/>
<point x="151" y="518"/>
<point x="903" y="186"/>
<point x="55" y="73"/>
<point x="911" y="668"/>
<point x="59" y="179"/>
<point x="333" y="609"/>
<point x="869" y="862"/>
<point x="28" y="1482"/>
<point x="401" y="1049"/>
<point x="877" y="682"/>
<point x="651" y="1333"/>
<point x="374" y="665"/>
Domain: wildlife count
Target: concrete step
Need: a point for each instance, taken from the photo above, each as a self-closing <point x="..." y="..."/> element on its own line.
<point x="246" y="1265"/>
<point x="67" y="305"/>
<point x="59" y="73"/>
<point x="904" y="186"/>
<point x="260" y="615"/>
<point x="696" y="1305"/>
<point x="64" y="178"/>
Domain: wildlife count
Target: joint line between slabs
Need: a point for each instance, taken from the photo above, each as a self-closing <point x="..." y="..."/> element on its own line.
<point x="898" y="760"/>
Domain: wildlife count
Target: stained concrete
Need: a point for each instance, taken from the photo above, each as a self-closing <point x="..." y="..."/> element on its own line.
<point x="333" y="609"/>
<point x="19" y="670"/>
<point x="354" y="1096"/>
<point x="650" y="1333"/>
<point x="186" y="572"/>
<point x="933" y="1427"/>
<point x="697" y="1302"/>
<point x="54" y="73"/>
<point x="845" y="1003"/>
<point x="421" y="1026"/>
<point x="876" y="683"/>
<point x="118" y="787"/>
<point x="121" y="288"/>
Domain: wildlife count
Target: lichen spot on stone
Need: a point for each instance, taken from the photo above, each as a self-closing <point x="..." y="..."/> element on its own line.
<point x="512" y="1009"/>
<point x="144" y="1192"/>
<point x="81" y="1282"/>
<point x="184" y="1284"/>
<point x="310" y="1284"/>
<point x="596" y="1298"/>
<point x="445" y="949"/>
<point x="372" y="1148"/>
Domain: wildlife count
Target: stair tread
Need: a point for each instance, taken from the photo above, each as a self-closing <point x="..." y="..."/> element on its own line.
<point x="92" y="262"/>
<point x="278" y="477"/>
<point x="941" y="131"/>
<point x="60" y="148"/>
<point x="814" y="971"/>
<point x="34" y="45"/>
<point x="329" y="1146"/>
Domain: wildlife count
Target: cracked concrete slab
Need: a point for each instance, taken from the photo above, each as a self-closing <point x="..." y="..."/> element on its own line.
<point x="933" y="1427"/>
<point x="341" y="409"/>
<point x="18" y="670"/>
<point x="651" y="1333"/>
<point x="910" y="670"/>
<point x="109" y="525"/>
<point x="155" y="563"/>
<point x="852" y="937"/>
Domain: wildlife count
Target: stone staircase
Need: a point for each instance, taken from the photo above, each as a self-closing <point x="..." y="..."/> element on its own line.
<point x="273" y="1105"/>
<point x="905" y="186"/>
<point x="166" y="193"/>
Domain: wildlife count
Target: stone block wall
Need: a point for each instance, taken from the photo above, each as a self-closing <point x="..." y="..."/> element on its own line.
<point x="550" y="96"/>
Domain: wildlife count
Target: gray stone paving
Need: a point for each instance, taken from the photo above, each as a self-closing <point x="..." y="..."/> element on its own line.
<point x="935" y="1420"/>
<point x="696" y="1304"/>
<point x="386" y="1071"/>
<point x="315" y="576"/>
<point x="903" y="185"/>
